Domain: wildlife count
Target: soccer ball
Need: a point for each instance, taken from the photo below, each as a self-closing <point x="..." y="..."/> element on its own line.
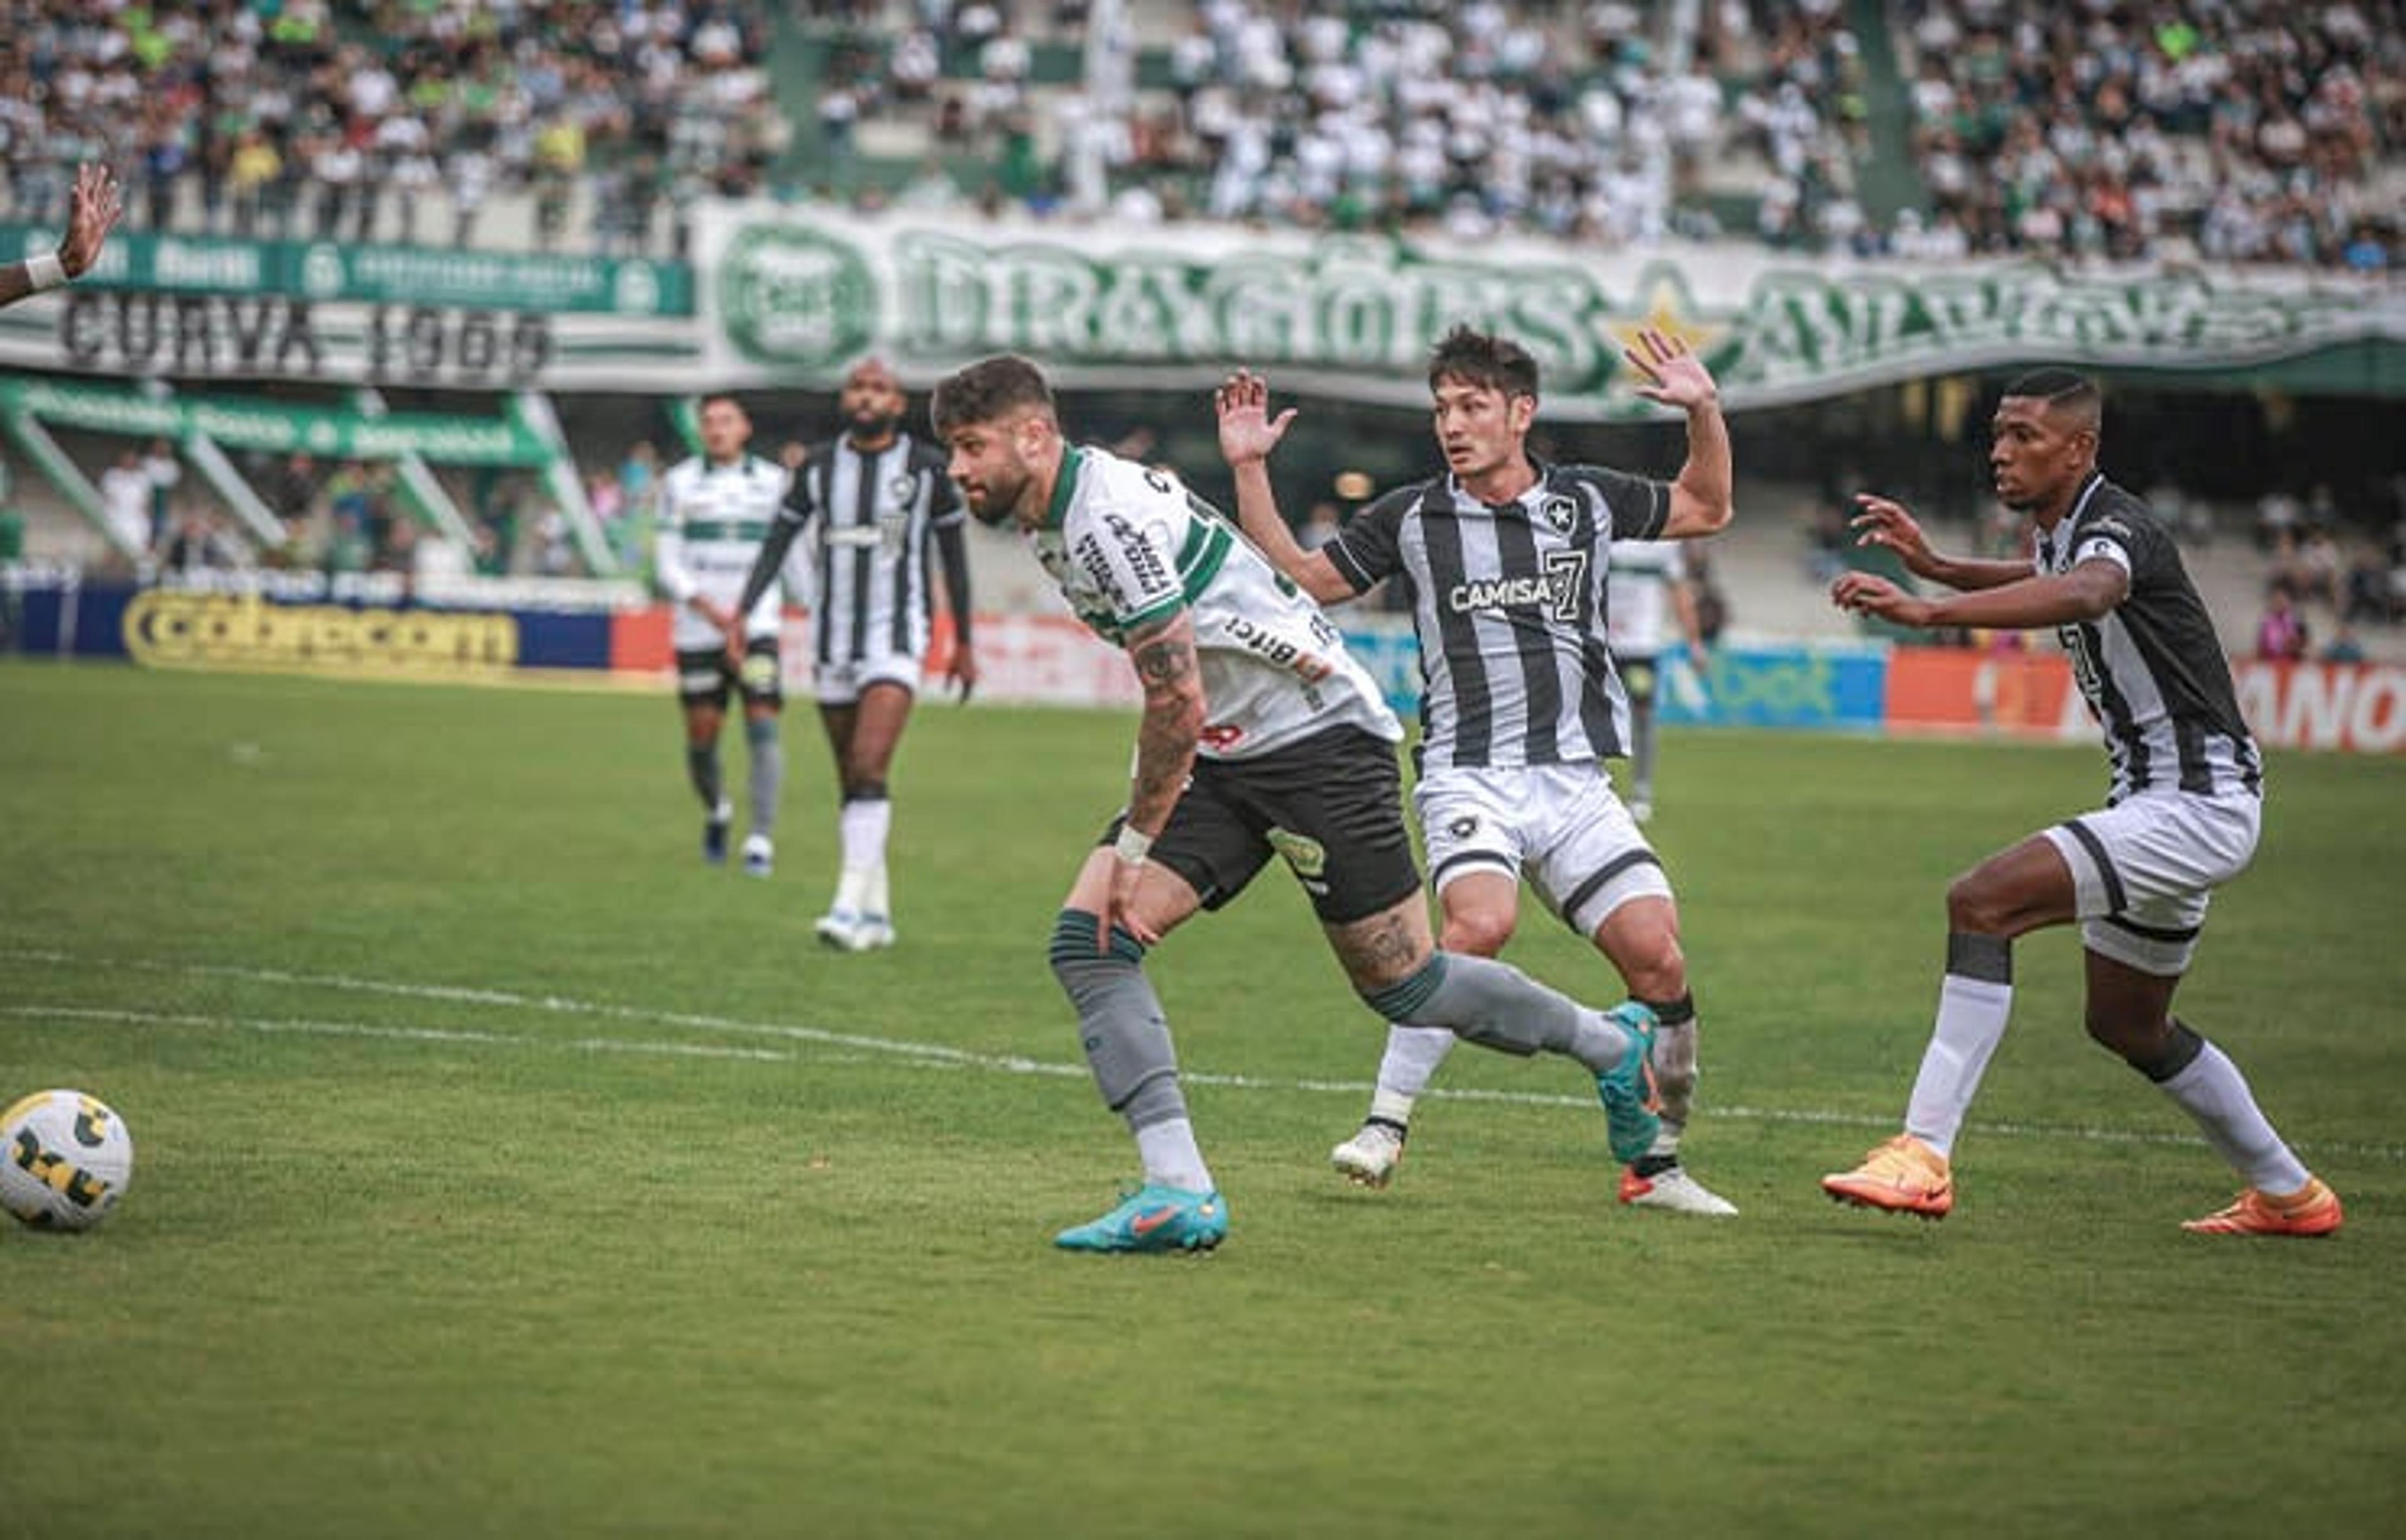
<point x="65" y="1160"/>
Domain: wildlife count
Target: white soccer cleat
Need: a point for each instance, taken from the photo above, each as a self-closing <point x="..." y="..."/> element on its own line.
<point x="759" y="856"/>
<point x="874" y="931"/>
<point x="840" y="929"/>
<point x="1369" y="1158"/>
<point x="1676" y="1190"/>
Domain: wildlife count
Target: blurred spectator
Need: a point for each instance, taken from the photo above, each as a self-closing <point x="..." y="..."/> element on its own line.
<point x="2368" y="595"/>
<point x="125" y="500"/>
<point x="2281" y="634"/>
<point x="201" y="543"/>
<point x="163" y="471"/>
<point x="1320" y="527"/>
<point x="2342" y="647"/>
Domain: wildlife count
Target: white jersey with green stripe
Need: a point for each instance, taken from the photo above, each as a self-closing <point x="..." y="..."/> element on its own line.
<point x="1130" y="546"/>
<point x="712" y="520"/>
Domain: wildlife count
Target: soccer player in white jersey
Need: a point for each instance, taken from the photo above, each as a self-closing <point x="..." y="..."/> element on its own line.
<point x="1260" y="736"/>
<point x="2180" y="817"/>
<point x="1645" y="593"/>
<point x="1505" y="561"/>
<point x="870" y="505"/>
<point x="93" y="205"/>
<point x="714" y="509"/>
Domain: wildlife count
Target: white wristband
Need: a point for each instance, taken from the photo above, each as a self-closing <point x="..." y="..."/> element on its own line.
<point x="45" y="272"/>
<point x="1132" y="844"/>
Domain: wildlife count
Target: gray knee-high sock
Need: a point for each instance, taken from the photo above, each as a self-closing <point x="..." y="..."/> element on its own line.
<point x="701" y="767"/>
<point x="1497" y="1006"/>
<point x="1120" y="1021"/>
<point x="768" y="771"/>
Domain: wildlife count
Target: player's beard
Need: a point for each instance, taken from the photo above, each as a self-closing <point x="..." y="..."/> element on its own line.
<point x="1003" y="492"/>
<point x="871" y="427"/>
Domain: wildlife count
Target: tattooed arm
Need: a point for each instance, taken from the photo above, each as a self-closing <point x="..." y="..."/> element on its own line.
<point x="1164" y="654"/>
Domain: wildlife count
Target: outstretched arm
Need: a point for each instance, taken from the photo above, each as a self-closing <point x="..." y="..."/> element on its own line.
<point x="2087" y="592"/>
<point x="92" y="208"/>
<point x="1248" y="433"/>
<point x="1700" y="496"/>
<point x="1883" y="522"/>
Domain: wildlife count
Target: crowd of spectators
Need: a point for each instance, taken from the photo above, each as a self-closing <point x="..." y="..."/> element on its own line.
<point x="2247" y="131"/>
<point x="1478" y="118"/>
<point x="350" y="120"/>
<point x="334" y="517"/>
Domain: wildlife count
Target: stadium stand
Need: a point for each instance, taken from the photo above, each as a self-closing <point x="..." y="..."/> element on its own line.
<point x="2247" y="131"/>
<point x="541" y="123"/>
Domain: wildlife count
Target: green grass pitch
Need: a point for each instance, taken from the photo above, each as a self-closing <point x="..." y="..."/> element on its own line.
<point x="502" y="1170"/>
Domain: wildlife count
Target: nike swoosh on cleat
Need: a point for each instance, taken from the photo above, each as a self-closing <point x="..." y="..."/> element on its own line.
<point x="1145" y="1224"/>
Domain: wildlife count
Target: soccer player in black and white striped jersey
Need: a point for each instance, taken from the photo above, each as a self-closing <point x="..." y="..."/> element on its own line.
<point x="2180" y="817"/>
<point x="1505" y="562"/>
<point x="874" y="501"/>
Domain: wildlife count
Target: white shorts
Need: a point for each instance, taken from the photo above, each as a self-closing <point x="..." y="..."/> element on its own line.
<point x="1559" y="825"/>
<point x="840" y="683"/>
<point x="2143" y="872"/>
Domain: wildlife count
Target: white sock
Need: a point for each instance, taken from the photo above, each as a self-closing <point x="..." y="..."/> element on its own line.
<point x="874" y="898"/>
<point x="849" y="887"/>
<point x="1171" y="1156"/>
<point x="863" y="825"/>
<point x="2213" y="1091"/>
<point x="1972" y="1016"/>
<point x="1404" y="1070"/>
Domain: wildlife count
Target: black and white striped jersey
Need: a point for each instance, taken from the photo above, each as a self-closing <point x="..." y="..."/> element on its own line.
<point x="2152" y="671"/>
<point x="1509" y="603"/>
<point x="870" y="516"/>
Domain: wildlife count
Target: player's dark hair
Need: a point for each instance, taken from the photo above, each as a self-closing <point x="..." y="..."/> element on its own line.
<point x="715" y="397"/>
<point x="2066" y="391"/>
<point x="1473" y="357"/>
<point x="986" y="390"/>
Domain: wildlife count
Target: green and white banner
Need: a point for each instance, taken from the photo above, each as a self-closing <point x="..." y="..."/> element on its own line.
<point x="188" y="308"/>
<point x="330" y="272"/>
<point x="277" y="427"/>
<point x="789" y="297"/>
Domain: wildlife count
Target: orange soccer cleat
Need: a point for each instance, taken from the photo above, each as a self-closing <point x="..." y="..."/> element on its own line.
<point x="2311" y="1210"/>
<point x="1903" y="1176"/>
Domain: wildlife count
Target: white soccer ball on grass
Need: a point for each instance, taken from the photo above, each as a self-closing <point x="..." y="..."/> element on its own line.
<point x="66" y="1159"/>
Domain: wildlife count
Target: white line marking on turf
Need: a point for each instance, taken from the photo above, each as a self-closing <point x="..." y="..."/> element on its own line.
<point x="934" y="1056"/>
<point x="404" y="1034"/>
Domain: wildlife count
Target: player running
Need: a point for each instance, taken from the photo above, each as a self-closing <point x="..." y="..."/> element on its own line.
<point x="1505" y="562"/>
<point x="1261" y="735"/>
<point x="2180" y="819"/>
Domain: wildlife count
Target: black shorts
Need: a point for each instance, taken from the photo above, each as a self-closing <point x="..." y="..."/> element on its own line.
<point x="1330" y="804"/>
<point x="706" y="678"/>
<point x="1638" y="676"/>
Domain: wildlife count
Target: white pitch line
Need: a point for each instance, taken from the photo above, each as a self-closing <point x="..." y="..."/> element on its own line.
<point x="401" y="1034"/>
<point x="941" y="1056"/>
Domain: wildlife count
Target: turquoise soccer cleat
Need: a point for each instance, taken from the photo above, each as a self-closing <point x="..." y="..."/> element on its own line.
<point x="1631" y="1104"/>
<point x="1153" y="1218"/>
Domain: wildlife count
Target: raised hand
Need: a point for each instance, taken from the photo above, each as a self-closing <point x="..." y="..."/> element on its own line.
<point x="1867" y="593"/>
<point x="1675" y="376"/>
<point x="1889" y="524"/>
<point x="92" y="208"/>
<point x="1248" y="432"/>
